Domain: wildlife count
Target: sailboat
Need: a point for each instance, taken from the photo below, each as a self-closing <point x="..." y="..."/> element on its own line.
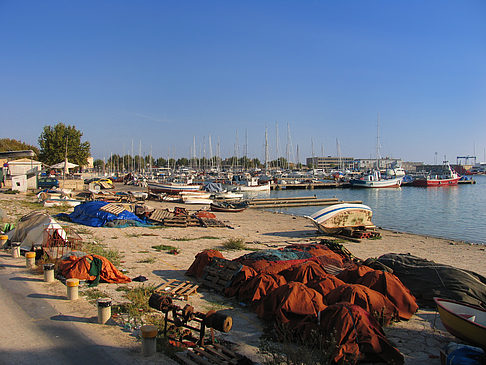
<point x="374" y="179"/>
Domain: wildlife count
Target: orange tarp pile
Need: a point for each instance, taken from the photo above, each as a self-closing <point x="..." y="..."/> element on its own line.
<point x="291" y="302"/>
<point x="202" y="259"/>
<point x="78" y="267"/>
<point x="357" y="335"/>
<point x="295" y="290"/>
<point x="373" y="302"/>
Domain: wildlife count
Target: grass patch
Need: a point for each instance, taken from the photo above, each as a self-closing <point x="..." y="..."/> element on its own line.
<point x="148" y="260"/>
<point x="137" y="308"/>
<point x="93" y="294"/>
<point x="234" y="244"/>
<point x="164" y="248"/>
<point x="144" y="251"/>
<point x="95" y="248"/>
<point x="134" y="235"/>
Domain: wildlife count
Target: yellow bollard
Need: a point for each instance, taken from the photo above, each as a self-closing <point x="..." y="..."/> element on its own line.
<point x="3" y="240"/>
<point x="149" y="341"/>
<point x="48" y="273"/>
<point x="30" y="260"/>
<point x="72" y="288"/>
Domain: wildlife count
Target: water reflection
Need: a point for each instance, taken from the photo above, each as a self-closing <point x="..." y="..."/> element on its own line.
<point x="455" y="212"/>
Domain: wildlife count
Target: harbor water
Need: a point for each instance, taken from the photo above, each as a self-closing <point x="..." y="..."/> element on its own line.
<point x="456" y="212"/>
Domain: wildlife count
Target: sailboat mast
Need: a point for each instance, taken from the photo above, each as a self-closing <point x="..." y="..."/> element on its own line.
<point x="266" y="151"/>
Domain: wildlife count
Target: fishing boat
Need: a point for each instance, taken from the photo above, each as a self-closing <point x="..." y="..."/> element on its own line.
<point x="172" y="188"/>
<point x="447" y="177"/>
<point x="336" y="217"/>
<point x="229" y="207"/>
<point x="375" y="180"/>
<point x="463" y="320"/>
<point x="197" y="200"/>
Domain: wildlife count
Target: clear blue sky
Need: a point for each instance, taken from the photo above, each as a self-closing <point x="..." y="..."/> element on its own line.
<point x="165" y="71"/>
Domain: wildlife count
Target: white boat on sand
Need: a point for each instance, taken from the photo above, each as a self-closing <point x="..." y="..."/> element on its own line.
<point x="336" y="217"/>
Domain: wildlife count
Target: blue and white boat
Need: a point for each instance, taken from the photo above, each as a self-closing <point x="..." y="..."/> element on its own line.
<point x="336" y="217"/>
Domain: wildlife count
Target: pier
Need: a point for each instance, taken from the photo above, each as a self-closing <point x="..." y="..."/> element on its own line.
<point x="296" y="202"/>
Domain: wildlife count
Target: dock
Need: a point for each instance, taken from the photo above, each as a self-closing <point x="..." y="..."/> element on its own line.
<point x="310" y="185"/>
<point x="296" y="202"/>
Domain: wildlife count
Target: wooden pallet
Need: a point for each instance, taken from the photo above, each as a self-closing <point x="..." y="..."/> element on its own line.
<point x="112" y="208"/>
<point x="219" y="273"/>
<point x="178" y="221"/>
<point x="177" y="288"/>
<point x="158" y="215"/>
<point x="210" y="222"/>
<point x="208" y="355"/>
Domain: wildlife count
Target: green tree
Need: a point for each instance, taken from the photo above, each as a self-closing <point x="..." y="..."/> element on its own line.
<point x="7" y="144"/>
<point x="53" y="141"/>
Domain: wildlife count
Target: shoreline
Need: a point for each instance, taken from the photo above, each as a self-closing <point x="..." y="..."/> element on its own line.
<point x="419" y="339"/>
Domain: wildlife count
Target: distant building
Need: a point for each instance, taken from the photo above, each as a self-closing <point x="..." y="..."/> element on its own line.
<point x="331" y="163"/>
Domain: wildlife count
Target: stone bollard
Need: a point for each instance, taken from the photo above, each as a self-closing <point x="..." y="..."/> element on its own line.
<point x="104" y="310"/>
<point x="149" y="340"/>
<point x="15" y="250"/>
<point x="72" y="288"/>
<point x="3" y="240"/>
<point x="48" y="273"/>
<point x="30" y="260"/>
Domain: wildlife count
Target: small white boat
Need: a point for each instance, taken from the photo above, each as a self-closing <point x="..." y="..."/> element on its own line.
<point x="185" y="196"/>
<point x="374" y="180"/>
<point x="336" y="217"/>
<point x="197" y="200"/>
<point x="61" y="202"/>
<point x="172" y="188"/>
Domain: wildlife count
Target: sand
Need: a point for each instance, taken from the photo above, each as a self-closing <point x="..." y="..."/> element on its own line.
<point x="419" y="339"/>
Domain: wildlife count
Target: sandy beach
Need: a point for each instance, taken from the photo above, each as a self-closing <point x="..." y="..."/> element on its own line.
<point x="419" y="339"/>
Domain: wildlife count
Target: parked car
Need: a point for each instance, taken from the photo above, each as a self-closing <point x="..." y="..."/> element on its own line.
<point x="47" y="182"/>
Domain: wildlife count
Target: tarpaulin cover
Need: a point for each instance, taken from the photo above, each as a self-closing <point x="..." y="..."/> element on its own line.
<point x="212" y="187"/>
<point x="271" y="267"/>
<point x="325" y="284"/>
<point x="391" y="287"/>
<point x="375" y="303"/>
<point x="357" y="335"/>
<point x="31" y="230"/>
<point x="79" y="268"/>
<point x="290" y="302"/>
<point x="246" y="273"/>
<point x="305" y="272"/>
<point x="89" y="214"/>
<point x="427" y="279"/>
<point x="259" y="286"/>
<point x="283" y="254"/>
<point x="351" y="276"/>
<point x="202" y="259"/>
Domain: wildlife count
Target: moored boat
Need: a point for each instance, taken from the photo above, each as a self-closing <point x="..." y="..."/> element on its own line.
<point x="374" y="180"/>
<point x="447" y="177"/>
<point x="336" y="217"/>
<point x="172" y="188"/>
<point x="463" y="320"/>
<point x="229" y="207"/>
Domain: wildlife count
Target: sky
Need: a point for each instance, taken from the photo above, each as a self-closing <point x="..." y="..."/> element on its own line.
<point x="157" y="74"/>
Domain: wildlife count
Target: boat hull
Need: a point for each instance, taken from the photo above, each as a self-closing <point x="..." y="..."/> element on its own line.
<point x="436" y="182"/>
<point x="254" y="188"/>
<point x="336" y="217"/>
<point x="465" y="321"/>
<point x="172" y="188"/>
<point x="386" y="183"/>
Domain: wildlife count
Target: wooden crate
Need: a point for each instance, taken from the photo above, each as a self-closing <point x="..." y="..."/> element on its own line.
<point x="178" y="221"/>
<point x="208" y="355"/>
<point x="177" y="288"/>
<point x="219" y="273"/>
<point x="158" y="215"/>
<point x="112" y="208"/>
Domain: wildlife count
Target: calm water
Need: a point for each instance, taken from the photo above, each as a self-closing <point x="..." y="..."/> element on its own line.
<point x="457" y="212"/>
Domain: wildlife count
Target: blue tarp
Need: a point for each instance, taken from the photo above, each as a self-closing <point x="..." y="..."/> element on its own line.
<point x="213" y="187"/>
<point x="89" y="214"/>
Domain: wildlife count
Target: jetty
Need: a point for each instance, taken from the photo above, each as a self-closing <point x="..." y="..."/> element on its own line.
<point x="305" y="201"/>
<point x="310" y="185"/>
